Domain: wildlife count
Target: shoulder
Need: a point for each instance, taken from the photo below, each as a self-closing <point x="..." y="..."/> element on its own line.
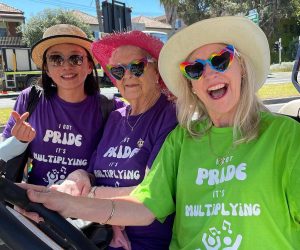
<point x="280" y="124"/>
<point x="165" y="108"/>
<point x="272" y="119"/>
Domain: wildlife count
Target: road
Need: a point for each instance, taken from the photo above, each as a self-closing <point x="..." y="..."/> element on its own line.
<point x="273" y="78"/>
<point x="10" y="102"/>
<point x="280" y="77"/>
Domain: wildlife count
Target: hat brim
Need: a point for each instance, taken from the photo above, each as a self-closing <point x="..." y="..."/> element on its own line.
<point x="239" y="31"/>
<point x="41" y="47"/>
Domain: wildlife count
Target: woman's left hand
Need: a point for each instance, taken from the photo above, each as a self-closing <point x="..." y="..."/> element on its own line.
<point x="77" y="184"/>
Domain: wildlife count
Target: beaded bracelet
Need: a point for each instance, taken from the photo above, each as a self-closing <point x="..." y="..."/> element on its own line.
<point x="111" y="213"/>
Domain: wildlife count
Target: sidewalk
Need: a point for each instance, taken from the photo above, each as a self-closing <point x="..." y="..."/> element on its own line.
<point x="9" y="94"/>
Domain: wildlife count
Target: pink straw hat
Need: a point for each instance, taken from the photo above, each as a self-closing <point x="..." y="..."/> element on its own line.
<point x="103" y="49"/>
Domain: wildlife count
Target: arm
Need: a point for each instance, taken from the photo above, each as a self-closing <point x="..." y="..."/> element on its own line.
<point x="11" y="147"/>
<point x="78" y="183"/>
<point x="127" y="210"/>
<point x="108" y="192"/>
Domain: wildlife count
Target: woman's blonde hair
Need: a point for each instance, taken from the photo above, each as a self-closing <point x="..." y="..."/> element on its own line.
<point x="247" y="117"/>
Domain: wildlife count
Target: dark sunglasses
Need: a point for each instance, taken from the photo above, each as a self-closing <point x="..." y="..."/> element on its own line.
<point x="217" y="61"/>
<point x="136" y="68"/>
<point x="58" y="60"/>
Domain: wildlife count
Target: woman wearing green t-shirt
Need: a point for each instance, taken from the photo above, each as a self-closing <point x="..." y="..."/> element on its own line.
<point x="231" y="169"/>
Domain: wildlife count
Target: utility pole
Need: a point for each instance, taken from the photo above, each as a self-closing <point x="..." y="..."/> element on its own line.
<point x="280" y="48"/>
<point x="99" y="15"/>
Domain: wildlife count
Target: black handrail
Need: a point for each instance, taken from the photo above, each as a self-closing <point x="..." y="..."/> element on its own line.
<point x="296" y="70"/>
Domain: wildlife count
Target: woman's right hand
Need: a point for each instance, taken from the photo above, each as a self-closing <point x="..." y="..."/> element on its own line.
<point x="22" y="130"/>
<point x="77" y="184"/>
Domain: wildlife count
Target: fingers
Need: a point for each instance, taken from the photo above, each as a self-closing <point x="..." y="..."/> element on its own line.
<point x="31" y="215"/>
<point x="15" y="115"/>
<point x="24" y="116"/>
<point x="38" y="196"/>
<point x="86" y="190"/>
<point x="33" y="187"/>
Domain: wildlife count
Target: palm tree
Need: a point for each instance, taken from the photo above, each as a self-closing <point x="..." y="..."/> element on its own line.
<point x="170" y="7"/>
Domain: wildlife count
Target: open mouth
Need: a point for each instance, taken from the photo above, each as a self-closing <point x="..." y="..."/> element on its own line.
<point x="218" y="91"/>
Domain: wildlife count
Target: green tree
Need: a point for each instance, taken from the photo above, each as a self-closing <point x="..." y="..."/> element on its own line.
<point x="33" y="30"/>
<point x="277" y="18"/>
<point x="195" y="10"/>
<point x="170" y="7"/>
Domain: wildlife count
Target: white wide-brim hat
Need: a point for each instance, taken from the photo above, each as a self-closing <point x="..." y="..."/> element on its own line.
<point x="238" y="31"/>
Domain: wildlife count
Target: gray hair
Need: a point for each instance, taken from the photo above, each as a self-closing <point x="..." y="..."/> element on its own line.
<point x="246" y="120"/>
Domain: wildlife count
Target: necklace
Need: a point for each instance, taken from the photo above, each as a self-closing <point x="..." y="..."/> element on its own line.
<point x="136" y="122"/>
<point x="220" y="160"/>
<point x="148" y="106"/>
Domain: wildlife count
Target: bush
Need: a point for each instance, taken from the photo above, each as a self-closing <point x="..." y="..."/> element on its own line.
<point x="283" y="67"/>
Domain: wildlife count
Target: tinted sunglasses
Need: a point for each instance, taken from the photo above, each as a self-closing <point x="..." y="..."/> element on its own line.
<point x="58" y="60"/>
<point x="136" y="68"/>
<point x="217" y="61"/>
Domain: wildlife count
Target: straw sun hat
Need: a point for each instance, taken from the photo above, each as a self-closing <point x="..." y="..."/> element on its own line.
<point x="58" y="34"/>
<point x="239" y="31"/>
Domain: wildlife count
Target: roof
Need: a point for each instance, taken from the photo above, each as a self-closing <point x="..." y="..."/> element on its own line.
<point x="6" y="8"/>
<point x="150" y="23"/>
<point x="7" y="11"/>
<point x="86" y="18"/>
<point x="160" y="18"/>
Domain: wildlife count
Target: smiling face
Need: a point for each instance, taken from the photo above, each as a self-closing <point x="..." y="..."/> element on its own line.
<point x="131" y="87"/>
<point x="219" y="91"/>
<point x="68" y="77"/>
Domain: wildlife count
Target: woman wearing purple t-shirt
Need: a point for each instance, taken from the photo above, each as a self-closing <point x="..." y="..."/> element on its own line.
<point x="133" y="135"/>
<point x="67" y="118"/>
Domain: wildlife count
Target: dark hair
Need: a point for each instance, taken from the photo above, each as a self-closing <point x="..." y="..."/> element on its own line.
<point x="91" y="85"/>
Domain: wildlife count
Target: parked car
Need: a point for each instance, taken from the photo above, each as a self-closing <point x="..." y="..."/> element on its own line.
<point x="163" y="36"/>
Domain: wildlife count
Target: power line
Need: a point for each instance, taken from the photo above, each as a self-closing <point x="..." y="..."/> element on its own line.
<point x="64" y="4"/>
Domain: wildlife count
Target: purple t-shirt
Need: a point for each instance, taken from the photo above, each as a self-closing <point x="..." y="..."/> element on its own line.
<point x="67" y="135"/>
<point x="122" y="157"/>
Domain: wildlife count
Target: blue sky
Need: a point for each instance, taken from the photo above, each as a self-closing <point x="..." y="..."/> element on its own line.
<point x="32" y="7"/>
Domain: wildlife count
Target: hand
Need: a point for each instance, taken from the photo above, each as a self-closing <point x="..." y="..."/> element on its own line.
<point x="22" y="130"/>
<point x="77" y="184"/>
<point x="50" y="198"/>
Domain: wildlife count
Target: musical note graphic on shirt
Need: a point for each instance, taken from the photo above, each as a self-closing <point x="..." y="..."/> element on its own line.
<point x="214" y="231"/>
<point x="226" y="226"/>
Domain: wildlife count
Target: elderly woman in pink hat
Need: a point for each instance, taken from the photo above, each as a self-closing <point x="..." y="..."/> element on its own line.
<point x="231" y="169"/>
<point x="133" y="135"/>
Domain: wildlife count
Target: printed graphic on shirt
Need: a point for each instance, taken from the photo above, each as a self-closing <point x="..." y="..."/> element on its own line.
<point x="126" y="149"/>
<point x="64" y="139"/>
<point x="221" y="236"/>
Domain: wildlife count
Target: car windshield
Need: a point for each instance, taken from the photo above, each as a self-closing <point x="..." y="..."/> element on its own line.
<point x="160" y="35"/>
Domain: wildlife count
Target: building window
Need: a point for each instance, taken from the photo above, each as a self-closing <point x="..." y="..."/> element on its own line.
<point x="3" y="32"/>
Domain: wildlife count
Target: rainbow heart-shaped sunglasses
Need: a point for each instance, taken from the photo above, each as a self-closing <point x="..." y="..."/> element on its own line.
<point x="217" y="61"/>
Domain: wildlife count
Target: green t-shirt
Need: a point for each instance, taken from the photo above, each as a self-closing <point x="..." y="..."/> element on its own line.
<point x="244" y="197"/>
